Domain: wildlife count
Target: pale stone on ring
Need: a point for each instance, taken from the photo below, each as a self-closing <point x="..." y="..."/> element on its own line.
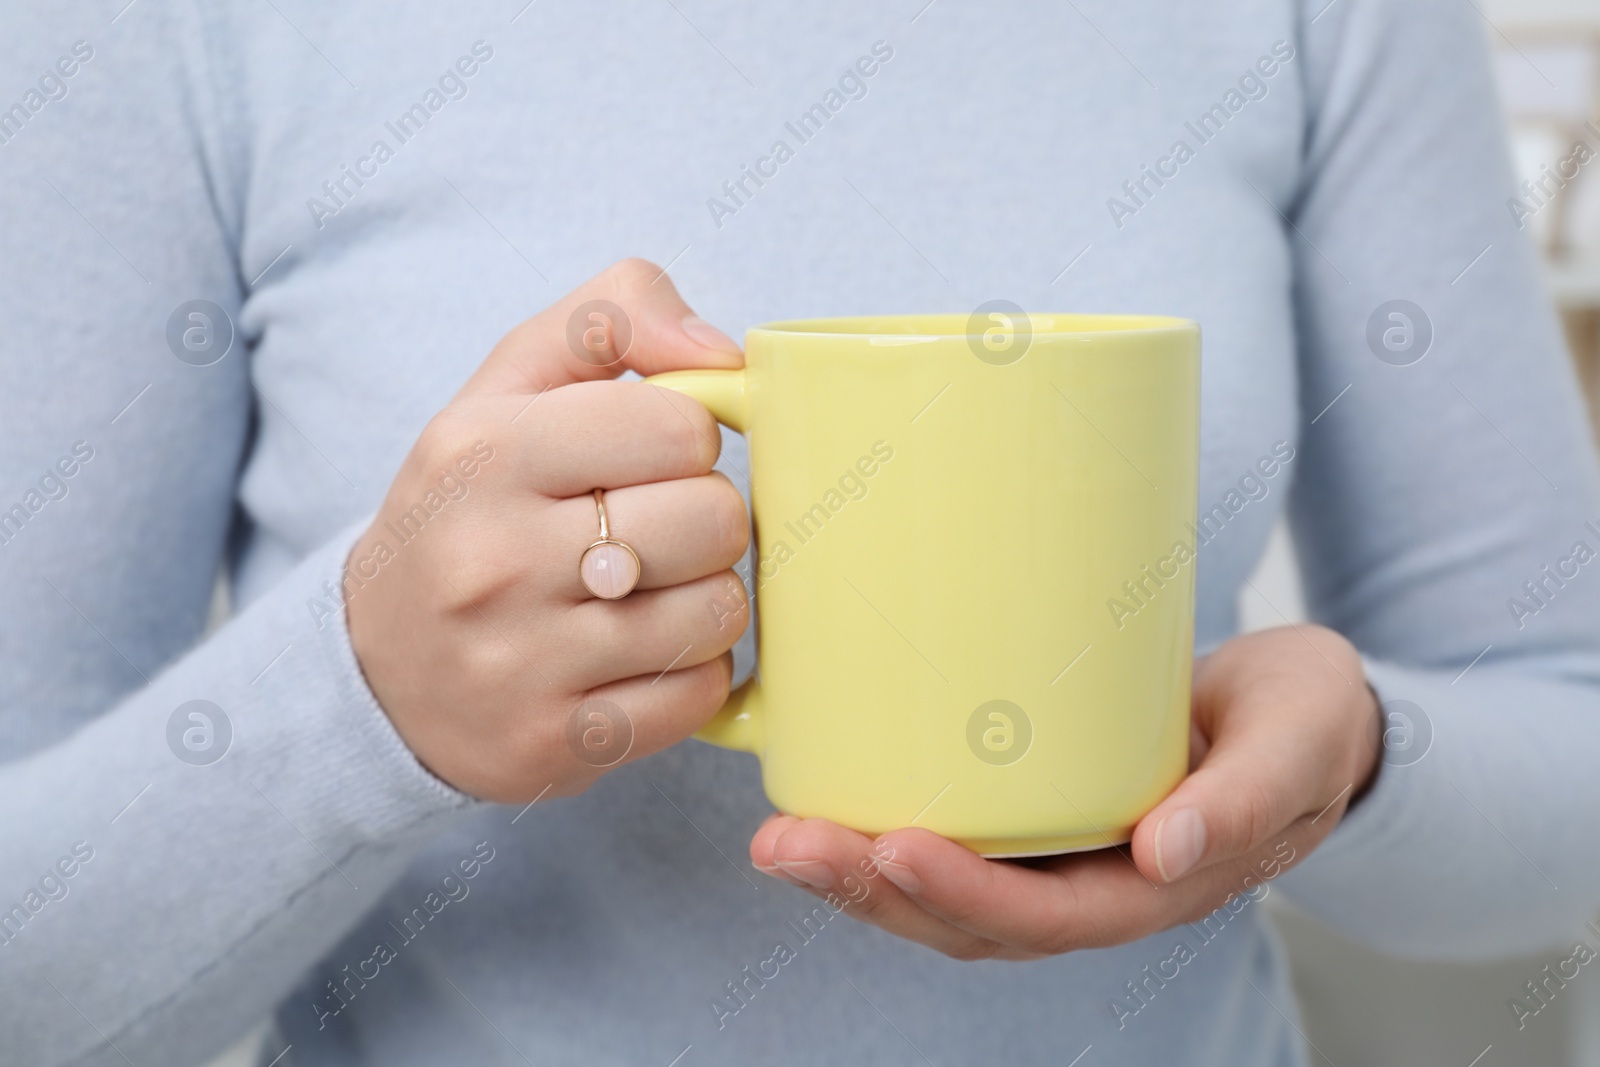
<point x="609" y="568"/>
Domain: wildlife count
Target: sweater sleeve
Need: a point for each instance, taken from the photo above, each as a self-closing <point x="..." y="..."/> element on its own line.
<point x="1446" y="513"/>
<point x="189" y="825"/>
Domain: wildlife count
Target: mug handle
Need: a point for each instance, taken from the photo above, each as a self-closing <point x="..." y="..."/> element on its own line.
<point x="738" y="724"/>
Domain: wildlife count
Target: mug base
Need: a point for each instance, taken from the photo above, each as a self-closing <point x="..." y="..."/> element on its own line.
<point x="1019" y="848"/>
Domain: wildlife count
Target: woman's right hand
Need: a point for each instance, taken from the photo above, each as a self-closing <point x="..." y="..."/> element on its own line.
<point x="465" y="609"/>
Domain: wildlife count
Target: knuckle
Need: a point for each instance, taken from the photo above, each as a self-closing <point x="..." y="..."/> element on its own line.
<point x="971" y="907"/>
<point x="683" y="438"/>
<point x="730" y="605"/>
<point x="448" y="438"/>
<point x="867" y="906"/>
<point x="873" y="910"/>
<point x="630" y="276"/>
<point x="1257" y="814"/>
<point x="690" y="433"/>
<point x="687" y="438"/>
<point x="1065" y="937"/>
<point x="439" y="437"/>
<point x="732" y="521"/>
<point x="1067" y="932"/>
<point x="707" y="684"/>
<point x="965" y="912"/>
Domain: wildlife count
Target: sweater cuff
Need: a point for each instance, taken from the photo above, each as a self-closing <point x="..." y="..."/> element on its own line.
<point x="349" y="767"/>
<point x="1389" y="811"/>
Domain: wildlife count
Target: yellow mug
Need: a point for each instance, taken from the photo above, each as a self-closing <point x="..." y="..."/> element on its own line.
<point x="974" y="572"/>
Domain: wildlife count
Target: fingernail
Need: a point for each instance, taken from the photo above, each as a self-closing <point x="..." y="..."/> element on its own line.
<point x="702" y="332"/>
<point x="1180" y="841"/>
<point x="774" y="872"/>
<point x="814" y="873"/>
<point x="903" y="877"/>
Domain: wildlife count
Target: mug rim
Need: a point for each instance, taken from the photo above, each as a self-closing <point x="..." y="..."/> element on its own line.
<point x="939" y="326"/>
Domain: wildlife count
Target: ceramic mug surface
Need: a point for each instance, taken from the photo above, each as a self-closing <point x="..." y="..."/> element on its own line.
<point x="974" y="570"/>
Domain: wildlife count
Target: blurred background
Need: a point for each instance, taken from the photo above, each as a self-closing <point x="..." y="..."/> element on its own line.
<point x="1363" y="1009"/>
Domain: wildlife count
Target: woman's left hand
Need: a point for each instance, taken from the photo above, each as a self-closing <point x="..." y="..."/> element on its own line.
<point x="1286" y="732"/>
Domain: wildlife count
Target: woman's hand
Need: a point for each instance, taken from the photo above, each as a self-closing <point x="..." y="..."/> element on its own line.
<point x="503" y="675"/>
<point x="1286" y="733"/>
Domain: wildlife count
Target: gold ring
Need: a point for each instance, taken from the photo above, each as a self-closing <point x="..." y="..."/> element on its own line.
<point x="609" y="568"/>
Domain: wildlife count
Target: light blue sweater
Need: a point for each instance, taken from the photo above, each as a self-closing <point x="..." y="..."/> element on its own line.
<point x="373" y="193"/>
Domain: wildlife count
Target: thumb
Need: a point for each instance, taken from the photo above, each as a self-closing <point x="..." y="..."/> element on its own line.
<point x="627" y="317"/>
<point x="1247" y="789"/>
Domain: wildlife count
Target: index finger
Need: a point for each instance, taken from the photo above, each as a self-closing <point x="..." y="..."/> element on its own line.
<point x="627" y="317"/>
